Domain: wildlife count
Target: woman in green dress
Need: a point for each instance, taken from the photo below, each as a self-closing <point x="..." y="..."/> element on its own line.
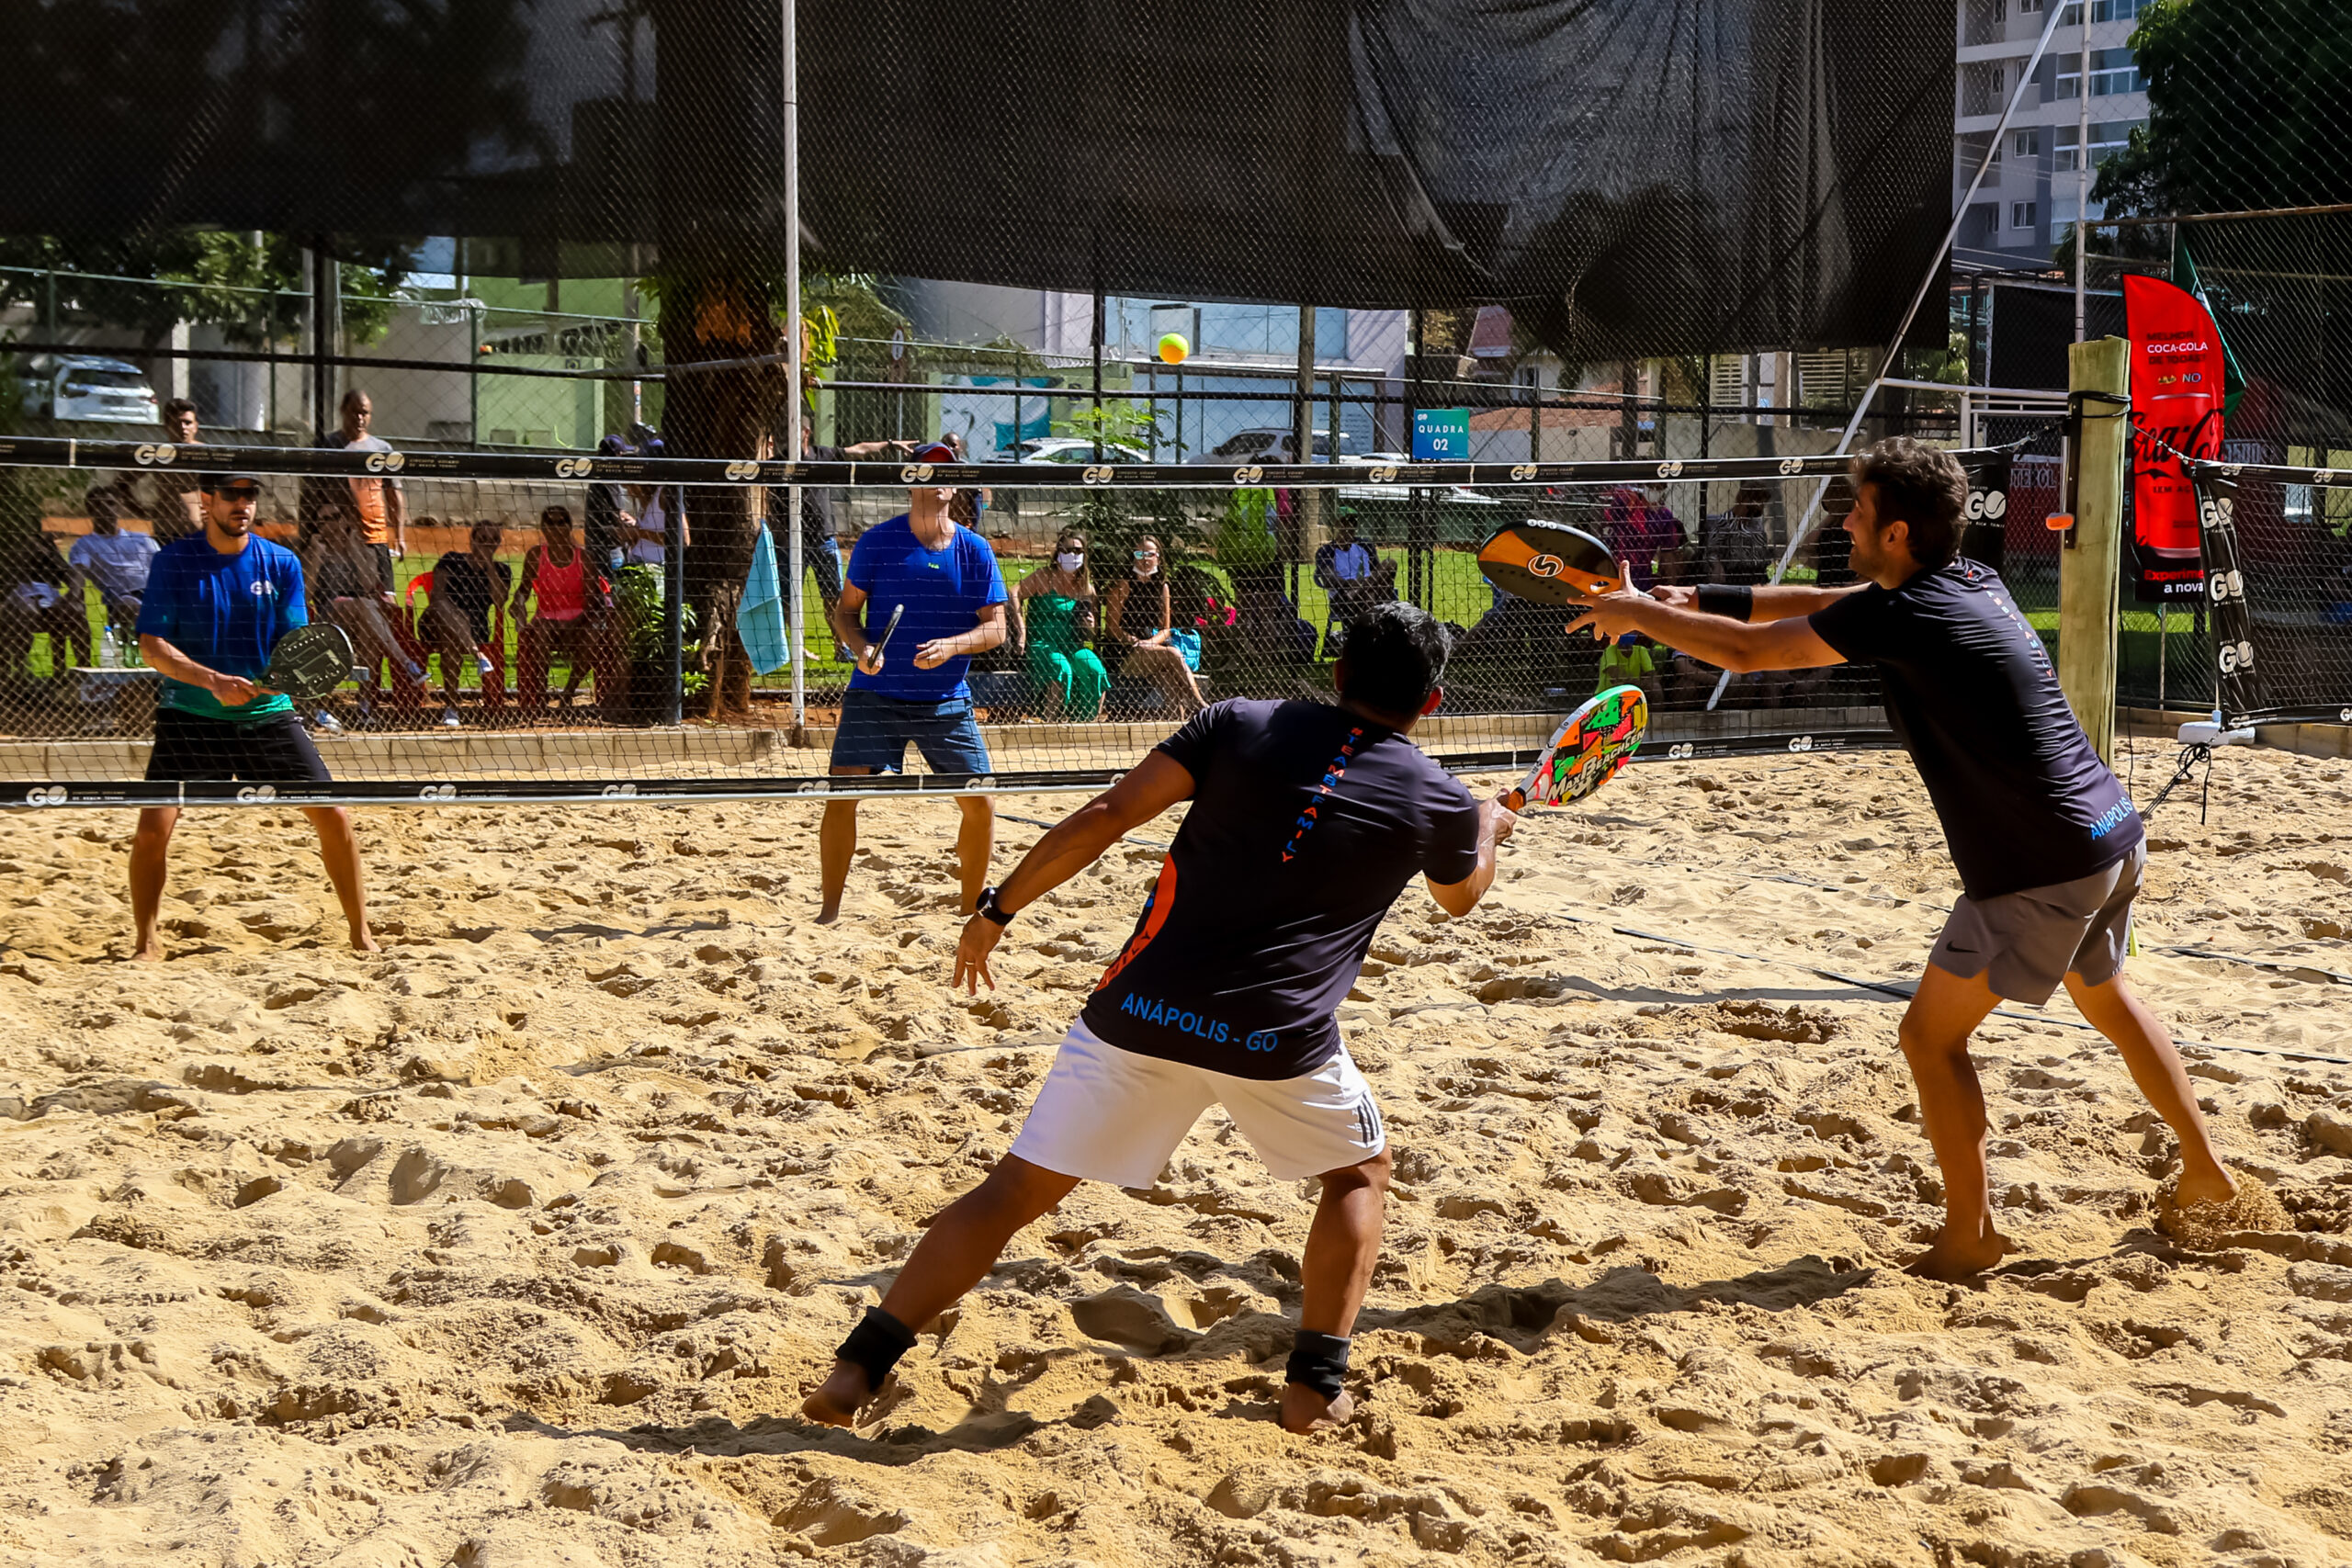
<point x="1053" y="616"/>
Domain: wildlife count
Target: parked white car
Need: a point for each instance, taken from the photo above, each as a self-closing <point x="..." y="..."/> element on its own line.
<point x="1269" y="445"/>
<point x="83" y="386"/>
<point x="1068" y="450"/>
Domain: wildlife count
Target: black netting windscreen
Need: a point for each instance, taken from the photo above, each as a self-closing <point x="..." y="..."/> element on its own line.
<point x="1643" y="177"/>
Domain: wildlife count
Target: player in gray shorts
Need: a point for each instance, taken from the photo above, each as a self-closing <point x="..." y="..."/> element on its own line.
<point x="2025" y="943"/>
<point x="2049" y="849"/>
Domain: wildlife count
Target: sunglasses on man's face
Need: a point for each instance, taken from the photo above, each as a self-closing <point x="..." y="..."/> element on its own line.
<point x="239" y="493"/>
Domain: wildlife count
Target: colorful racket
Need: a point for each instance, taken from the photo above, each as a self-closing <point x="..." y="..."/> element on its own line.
<point x="1587" y="750"/>
<point x="310" y="662"/>
<point x="1549" y="563"/>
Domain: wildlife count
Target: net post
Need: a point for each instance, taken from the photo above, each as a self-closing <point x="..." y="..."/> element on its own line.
<point x="2087" y="565"/>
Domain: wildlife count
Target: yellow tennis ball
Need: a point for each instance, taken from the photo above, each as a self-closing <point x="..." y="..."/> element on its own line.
<point x="1173" y="348"/>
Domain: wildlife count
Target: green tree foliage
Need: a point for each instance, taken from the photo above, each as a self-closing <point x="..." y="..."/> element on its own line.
<point x="152" y="284"/>
<point x="2249" y="106"/>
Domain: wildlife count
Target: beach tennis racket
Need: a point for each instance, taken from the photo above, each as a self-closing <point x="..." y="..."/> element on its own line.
<point x="1549" y="563"/>
<point x="1587" y="750"/>
<point x="310" y="662"/>
<point x="888" y="626"/>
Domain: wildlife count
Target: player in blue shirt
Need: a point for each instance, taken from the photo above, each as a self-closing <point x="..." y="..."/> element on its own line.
<point x="2049" y="849"/>
<point x="215" y="606"/>
<point x="946" y="578"/>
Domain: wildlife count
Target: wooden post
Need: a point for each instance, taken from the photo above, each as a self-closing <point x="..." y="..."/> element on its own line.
<point x="2089" y="561"/>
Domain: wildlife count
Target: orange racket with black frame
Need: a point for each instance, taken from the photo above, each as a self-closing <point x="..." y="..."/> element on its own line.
<point x="1549" y="563"/>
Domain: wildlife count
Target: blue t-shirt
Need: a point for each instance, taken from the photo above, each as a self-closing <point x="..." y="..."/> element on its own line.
<point x="944" y="590"/>
<point x="226" y="613"/>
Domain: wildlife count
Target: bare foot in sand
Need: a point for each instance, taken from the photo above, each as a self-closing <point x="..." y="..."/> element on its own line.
<point x="828" y="914"/>
<point x="1305" y="1411"/>
<point x="2211" y="1184"/>
<point x="363" y="941"/>
<point x="1953" y="1259"/>
<point x="837" y="1400"/>
<point x="148" y="952"/>
<point x="2209" y="1223"/>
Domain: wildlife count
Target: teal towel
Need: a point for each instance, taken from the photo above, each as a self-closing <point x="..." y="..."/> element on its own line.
<point x="760" y="623"/>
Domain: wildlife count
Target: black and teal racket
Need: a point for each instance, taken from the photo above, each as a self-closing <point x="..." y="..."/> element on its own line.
<point x="310" y="662"/>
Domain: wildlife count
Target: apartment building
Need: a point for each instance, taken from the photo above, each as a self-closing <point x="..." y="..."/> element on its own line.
<point x="2028" y="199"/>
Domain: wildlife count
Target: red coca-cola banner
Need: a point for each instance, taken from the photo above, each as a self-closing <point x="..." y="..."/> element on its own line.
<point x="2176" y="369"/>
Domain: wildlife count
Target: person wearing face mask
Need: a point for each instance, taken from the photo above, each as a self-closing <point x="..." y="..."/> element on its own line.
<point x="1053" y="616"/>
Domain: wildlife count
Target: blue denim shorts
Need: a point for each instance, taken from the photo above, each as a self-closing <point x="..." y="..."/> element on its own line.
<point x="874" y="730"/>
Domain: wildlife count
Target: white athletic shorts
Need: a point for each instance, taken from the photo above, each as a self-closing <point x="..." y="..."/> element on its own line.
<point x="1104" y="1114"/>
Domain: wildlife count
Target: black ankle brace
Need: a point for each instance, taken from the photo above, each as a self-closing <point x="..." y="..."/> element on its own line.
<point x="1319" y="1361"/>
<point x="875" y="1344"/>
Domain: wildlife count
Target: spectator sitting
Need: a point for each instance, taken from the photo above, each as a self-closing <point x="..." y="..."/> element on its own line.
<point x="572" y="617"/>
<point x="1355" y="575"/>
<point x="466" y="585"/>
<point x="1053" y="616"/>
<point x="1626" y="662"/>
<point x="35" y="601"/>
<point x="1734" y="547"/>
<point x="1643" y="532"/>
<point x="340" y="575"/>
<point x="1141" y="619"/>
<point x="113" y="561"/>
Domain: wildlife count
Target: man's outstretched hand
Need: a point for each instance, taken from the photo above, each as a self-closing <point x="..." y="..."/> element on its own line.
<point x="979" y="939"/>
<point x="1612" y="614"/>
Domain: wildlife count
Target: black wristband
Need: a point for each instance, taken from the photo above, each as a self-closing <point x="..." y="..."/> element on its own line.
<point x="1318" y="1362"/>
<point x="875" y="1344"/>
<point x="1737" y="601"/>
<point x="988" y="907"/>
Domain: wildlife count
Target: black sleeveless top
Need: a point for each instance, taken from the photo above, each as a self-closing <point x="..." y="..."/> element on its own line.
<point x="1139" y="611"/>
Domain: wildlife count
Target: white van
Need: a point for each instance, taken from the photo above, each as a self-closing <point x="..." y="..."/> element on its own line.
<point x="79" y="387"/>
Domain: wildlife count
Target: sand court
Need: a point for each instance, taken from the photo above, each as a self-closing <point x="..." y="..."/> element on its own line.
<point x="519" y="1242"/>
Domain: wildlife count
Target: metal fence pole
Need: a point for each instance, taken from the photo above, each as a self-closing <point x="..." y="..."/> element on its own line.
<point x="795" y="599"/>
<point x="673" y="603"/>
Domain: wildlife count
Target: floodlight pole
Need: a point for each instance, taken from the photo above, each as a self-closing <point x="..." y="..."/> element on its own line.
<point x="1894" y="349"/>
<point x="2083" y="175"/>
<point x="795" y="347"/>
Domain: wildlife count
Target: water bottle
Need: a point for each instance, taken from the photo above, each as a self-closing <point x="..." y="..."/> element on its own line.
<point x="109" y="650"/>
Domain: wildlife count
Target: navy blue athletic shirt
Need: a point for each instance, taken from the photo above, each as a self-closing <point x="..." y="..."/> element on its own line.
<point x="1306" y="823"/>
<point x="2024" y="800"/>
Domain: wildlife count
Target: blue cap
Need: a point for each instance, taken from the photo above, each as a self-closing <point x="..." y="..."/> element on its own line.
<point x="1629" y="639"/>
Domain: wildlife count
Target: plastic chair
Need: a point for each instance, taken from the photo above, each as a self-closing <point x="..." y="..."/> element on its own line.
<point x="412" y="629"/>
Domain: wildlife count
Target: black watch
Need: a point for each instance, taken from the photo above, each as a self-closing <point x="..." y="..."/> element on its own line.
<point x="989" y="907"/>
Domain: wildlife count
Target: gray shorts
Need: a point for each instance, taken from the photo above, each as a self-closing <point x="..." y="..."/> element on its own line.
<point x="2030" y="940"/>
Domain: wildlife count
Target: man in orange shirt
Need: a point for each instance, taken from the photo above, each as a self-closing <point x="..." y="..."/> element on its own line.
<point x="376" y="501"/>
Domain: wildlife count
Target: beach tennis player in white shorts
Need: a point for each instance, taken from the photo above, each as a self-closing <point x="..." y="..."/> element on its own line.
<point x="1308" y="820"/>
<point x="2049" y="848"/>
